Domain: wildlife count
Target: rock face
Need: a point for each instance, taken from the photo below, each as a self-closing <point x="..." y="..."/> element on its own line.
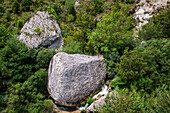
<point x="145" y="10"/>
<point x="42" y="31"/>
<point x="72" y="77"/>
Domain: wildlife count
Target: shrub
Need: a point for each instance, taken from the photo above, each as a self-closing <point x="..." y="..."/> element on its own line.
<point x="121" y="101"/>
<point x="112" y="36"/>
<point x="159" y="101"/>
<point x="89" y="100"/>
<point x="157" y="28"/>
<point x="150" y="31"/>
<point x="4" y="35"/>
<point x="97" y="6"/>
<point x="71" y="46"/>
<point x="148" y="65"/>
<point x="52" y="13"/>
<point x="117" y="82"/>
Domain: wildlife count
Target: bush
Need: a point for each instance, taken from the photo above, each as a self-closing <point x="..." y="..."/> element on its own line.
<point x="148" y="65"/>
<point x="157" y="28"/>
<point x="112" y="36"/>
<point x="71" y="46"/>
<point x="150" y="31"/>
<point x="23" y="78"/>
<point x="89" y="100"/>
<point x="121" y="101"/>
<point x="117" y="82"/>
<point x="4" y="35"/>
<point x="159" y="101"/>
<point x="125" y="101"/>
<point x="98" y="6"/>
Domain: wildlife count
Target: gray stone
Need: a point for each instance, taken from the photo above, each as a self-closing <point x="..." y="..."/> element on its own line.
<point x="148" y="10"/>
<point x="144" y="11"/>
<point x="72" y="77"/>
<point x="41" y="31"/>
<point x="98" y="103"/>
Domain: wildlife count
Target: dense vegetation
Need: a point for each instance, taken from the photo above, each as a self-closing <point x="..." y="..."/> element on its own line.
<point x="140" y="68"/>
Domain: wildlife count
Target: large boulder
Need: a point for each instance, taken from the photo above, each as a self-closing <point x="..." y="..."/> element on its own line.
<point x="41" y="31"/>
<point x="72" y="77"/>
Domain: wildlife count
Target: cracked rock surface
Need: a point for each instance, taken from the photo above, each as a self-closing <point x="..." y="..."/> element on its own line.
<point x="41" y="31"/>
<point x="72" y="77"/>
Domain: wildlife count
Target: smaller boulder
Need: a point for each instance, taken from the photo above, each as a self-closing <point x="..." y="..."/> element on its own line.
<point x="41" y="30"/>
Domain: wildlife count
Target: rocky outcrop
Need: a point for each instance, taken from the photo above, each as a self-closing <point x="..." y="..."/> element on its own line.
<point x="145" y="10"/>
<point x="41" y="31"/>
<point x="72" y="77"/>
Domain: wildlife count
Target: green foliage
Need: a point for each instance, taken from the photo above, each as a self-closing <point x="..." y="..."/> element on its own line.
<point x="83" y="103"/>
<point x="121" y="101"/>
<point x="89" y="100"/>
<point x="129" y="1"/>
<point x="52" y="13"/>
<point x="44" y="57"/>
<point x="98" y="6"/>
<point x="20" y="24"/>
<point x="57" y="8"/>
<point x="125" y="101"/>
<point x="132" y="66"/>
<point x="117" y="81"/>
<point x="26" y="4"/>
<point x="159" y="100"/>
<point x="23" y="77"/>
<point x="98" y="27"/>
<point x="111" y="59"/>
<point x="71" y="46"/>
<point x="157" y="28"/>
<point x="112" y="36"/>
<point x="150" y="31"/>
<point x="29" y="94"/>
<point x="16" y="6"/>
<point x="4" y="35"/>
<point x="147" y="66"/>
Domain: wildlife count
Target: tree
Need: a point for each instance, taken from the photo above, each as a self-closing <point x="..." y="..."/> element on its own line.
<point x="112" y="36"/>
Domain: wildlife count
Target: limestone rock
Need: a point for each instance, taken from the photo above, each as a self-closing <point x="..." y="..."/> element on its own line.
<point x="41" y="31"/>
<point x="96" y="104"/>
<point x="72" y="77"/>
<point x="145" y="8"/>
